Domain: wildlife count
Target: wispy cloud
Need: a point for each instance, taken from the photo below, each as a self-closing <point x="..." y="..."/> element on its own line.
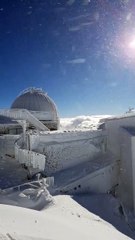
<point x="79" y="27"/>
<point x="76" y="61"/>
<point x="74" y="28"/>
<point x="86" y="23"/>
<point x="79" y="17"/>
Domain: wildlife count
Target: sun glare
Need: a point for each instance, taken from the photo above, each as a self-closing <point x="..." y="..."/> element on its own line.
<point x="132" y="44"/>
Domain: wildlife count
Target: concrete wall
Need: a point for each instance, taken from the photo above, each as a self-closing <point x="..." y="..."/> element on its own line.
<point x="100" y="181"/>
<point x="121" y="142"/>
<point x="133" y="169"/>
<point x="64" y="155"/>
<point x="125" y="190"/>
<point x="66" y="149"/>
<point x="67" y="136"/>
<point x="112" y="130"/>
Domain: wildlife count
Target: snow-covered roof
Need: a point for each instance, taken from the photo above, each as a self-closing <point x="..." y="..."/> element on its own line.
<point x="126" y="115"/>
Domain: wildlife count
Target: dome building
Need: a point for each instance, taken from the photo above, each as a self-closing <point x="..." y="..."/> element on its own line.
<point x="40" y="105"/>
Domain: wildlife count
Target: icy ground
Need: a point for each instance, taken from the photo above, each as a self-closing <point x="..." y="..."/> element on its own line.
<point x="64" y="219"/>
<point x="61" y="217"/>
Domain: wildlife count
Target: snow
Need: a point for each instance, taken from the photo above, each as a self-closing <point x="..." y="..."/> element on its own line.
<point x="81" y="122"/>
<point x="61" y="217"/>
<point x="33" y="196"/>
<point x="71" y="217"/>
<point x="106" y="207"/>
<point x="63" y="220"/>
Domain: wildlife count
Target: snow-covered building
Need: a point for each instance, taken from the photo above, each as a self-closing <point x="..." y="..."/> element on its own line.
<point x="40" y="106"/>
<point x="101" y="160"/>
<point x="32" y="109"/>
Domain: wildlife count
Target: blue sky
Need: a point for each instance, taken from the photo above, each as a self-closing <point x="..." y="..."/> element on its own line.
<point x="76" y="50"/>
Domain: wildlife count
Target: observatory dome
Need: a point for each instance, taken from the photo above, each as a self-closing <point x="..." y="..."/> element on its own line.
<point x="40" y="105"/>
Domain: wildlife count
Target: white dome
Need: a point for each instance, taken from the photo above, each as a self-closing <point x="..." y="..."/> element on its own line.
<point x="39" y="103"/>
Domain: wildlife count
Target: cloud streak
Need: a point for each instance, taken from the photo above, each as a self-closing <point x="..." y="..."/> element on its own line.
<point x="77" y="61"/>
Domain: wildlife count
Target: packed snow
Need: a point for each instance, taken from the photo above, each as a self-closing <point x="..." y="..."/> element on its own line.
<point x="63" y="220"/>
<point x="81" y="216"/>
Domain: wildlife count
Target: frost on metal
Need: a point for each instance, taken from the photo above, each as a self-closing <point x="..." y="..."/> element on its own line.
<point x="33" y="195"/>
<point x="29" y="158"/>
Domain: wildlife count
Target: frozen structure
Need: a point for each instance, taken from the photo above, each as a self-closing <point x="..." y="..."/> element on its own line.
<point x="85" y="161"/>
<point x="40" y="105"/>
<point x="101" y="161"/>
